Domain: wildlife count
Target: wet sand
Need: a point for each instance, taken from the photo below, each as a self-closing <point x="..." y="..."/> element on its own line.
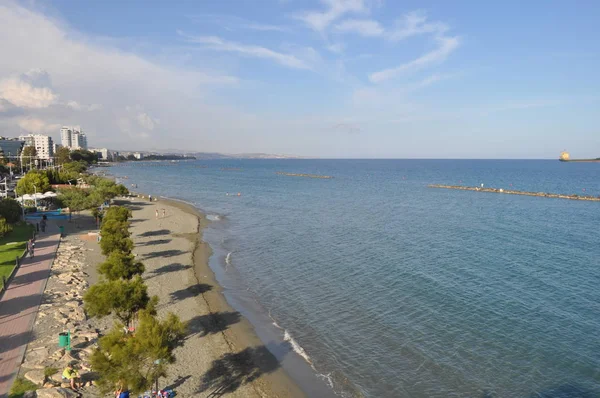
<point x="222" y="356"/>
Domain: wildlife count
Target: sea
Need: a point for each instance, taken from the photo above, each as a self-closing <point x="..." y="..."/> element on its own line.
<point x="372" y="284"/>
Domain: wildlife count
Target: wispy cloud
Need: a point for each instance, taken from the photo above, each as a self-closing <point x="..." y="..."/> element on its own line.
<point x="264" y="28"/>
<point x="320" y="20"/>
<point x="28" y="90"/>
<point x="415" y="23"/>
<point x="446" y="45"/>
<point x="232" y="22"/>
<point x="217" y="44"/>
<point x="364" y="27"/>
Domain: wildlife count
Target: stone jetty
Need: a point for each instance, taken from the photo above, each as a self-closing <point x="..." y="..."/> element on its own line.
<point x="513" y="192"/>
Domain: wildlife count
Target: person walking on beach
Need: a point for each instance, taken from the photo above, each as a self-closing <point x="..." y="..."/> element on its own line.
<point x="150" y="198"/>
<point x="156" y="212"/>
<point x="164" y="213"/>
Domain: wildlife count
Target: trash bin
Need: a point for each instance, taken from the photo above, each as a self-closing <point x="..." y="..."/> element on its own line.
<point x="63" y="339"/>
<point x="62" y="230"/>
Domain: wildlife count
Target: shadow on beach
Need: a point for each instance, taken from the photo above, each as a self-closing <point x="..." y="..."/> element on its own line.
<point x="233" y="370"/>
<point x="212" y="323"/>
<point x="154" y="242"/>
<point x="189" y="292"/>
<point x="158" y="232"/>
<point x="164" y="253"/>
<point x="168" y="268"/>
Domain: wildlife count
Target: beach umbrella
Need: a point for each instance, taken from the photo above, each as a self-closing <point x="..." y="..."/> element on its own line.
<point x="27" y="197"/>
<point x="50" y="194"/>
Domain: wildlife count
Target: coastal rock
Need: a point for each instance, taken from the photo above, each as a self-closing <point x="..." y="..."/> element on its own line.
<point x="36" y="376"/>
<point x="73" y="304"/>
<point x="58" y="354"/>
<point x="57" y="392"/>
<point x="37" y="355"/>
<point x="29" y="394"/>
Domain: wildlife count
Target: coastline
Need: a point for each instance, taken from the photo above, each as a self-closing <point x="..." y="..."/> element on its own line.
<point x="223" y="344"/>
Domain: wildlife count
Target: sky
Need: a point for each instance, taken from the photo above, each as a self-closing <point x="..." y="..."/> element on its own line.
<point x="314" y="78"/>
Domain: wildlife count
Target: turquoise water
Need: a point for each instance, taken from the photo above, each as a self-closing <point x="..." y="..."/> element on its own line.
<point x="393" y="289"/>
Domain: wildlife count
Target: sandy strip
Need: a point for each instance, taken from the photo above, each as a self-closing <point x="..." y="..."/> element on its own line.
<point x="222" y="354"/>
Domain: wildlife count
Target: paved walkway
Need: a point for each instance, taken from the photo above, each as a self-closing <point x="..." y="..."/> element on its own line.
<point x="19" y="307"/>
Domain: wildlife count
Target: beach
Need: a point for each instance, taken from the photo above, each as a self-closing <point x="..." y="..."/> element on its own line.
<point x="221" y="354"/>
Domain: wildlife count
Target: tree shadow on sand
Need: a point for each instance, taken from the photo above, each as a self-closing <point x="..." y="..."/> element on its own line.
<point x="164" y="253"/>
<point x="189" y="292"/>
<point x="233" y="370"/>
<point x="168" y="268"/>
<point x="154" y="242"/>
<point x="212" y="323"/>
<point x="158" y="232"/>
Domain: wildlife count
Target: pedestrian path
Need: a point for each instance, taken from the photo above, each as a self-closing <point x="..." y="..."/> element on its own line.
<point x="19" y="306"/>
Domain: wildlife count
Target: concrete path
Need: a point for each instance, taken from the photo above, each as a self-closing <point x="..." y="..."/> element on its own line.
<point x="19" y="306"/>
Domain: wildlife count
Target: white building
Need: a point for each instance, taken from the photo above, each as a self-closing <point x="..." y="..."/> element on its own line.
<point x="43" y="144"/>
<point x="103" y="154"/>
<point x="73" y="138"/>
<point x="138" y="155"/>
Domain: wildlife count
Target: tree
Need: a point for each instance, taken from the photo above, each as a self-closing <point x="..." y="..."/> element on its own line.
<point x="33" y="178"/>
<point x="10" y="209"/>
<point x="121" y="298"/>
<point x="137" y="360"/>
<point x="73" y="198"/>
<point x="75" y="167"/>
<point x="117" y="213"/>
<point x="5" y="227"/>
<point x="115" y="236"/>
<point x="120" y="265"/>
<point x="62" y="155"/>
<point x="27" y="152"/>
<point x="83" y="155"/>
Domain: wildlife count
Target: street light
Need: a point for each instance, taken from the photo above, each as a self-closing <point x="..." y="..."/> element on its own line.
<point x="35" y="196"/>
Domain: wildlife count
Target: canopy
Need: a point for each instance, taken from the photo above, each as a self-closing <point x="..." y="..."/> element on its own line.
<point x="50" y="194"/>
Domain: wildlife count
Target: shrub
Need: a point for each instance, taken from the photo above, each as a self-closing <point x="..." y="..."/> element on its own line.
<point x="10" y="209"/>
<point x="115" y="236"/>
<point x="137" y="360"/>
<point x="120" y="265"/>
<point x="117" y="213"/>
<point x="34" y="181"/>
<point x="120" y="298"/>
<point x="5" y="227"/>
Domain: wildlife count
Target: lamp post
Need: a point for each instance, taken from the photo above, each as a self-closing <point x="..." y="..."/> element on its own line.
<point x="22" y="204"/>
<point x="35" y="196"/>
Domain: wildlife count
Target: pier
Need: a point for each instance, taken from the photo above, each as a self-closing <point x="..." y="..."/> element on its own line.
<point x="303" y="175"/>
<point x="513" y="192"/>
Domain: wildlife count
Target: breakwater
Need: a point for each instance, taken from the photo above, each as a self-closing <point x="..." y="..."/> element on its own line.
<point x="513" y="192"/>
<point x="303" y="175"/>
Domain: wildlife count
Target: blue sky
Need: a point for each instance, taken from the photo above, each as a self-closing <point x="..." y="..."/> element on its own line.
<point x="326" y="78"/>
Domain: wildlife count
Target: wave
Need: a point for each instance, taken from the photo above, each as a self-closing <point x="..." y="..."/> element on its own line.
<point x="228" y="259"/>
<point x="214" y="217"/>
<point x="296" y="347"/>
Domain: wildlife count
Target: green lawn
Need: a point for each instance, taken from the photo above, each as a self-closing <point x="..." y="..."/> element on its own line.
<point x="8" y="253"/>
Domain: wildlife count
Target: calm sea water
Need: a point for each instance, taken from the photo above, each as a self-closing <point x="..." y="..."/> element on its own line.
<point x="393" y="289"/>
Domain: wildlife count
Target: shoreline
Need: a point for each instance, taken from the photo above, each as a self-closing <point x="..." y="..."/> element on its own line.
<point x="233" y="341"/>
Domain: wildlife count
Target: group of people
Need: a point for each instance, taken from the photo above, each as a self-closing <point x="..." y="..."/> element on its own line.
<point x="164" y="213"/>
<point x="71" y="375"/>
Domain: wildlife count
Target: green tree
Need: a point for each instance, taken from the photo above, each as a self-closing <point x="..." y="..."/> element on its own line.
<point x="117" y="213"/>
<point x="115" y="236"/>
<point x="27" y="152"/>
<point x="10" y="209"/>
<point x="137" y="360"/>
<point x="62" y="155"/>
<point x="120" y="265"/>
<point x="121" y="298"/>
<point x="73" y="198"/>
<point x="5" y="227"/>
<point x="33" y="178"/>
<point x="75" y="167"/>
<point x="83" y="155"/>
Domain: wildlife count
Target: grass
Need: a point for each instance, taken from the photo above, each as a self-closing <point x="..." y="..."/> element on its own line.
<point x="21" y="233"/>
<point x="49" y="371"/>
<point x="20" y="387"/>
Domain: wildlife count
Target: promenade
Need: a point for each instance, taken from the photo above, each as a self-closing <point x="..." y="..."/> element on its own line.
<point x="19" y="306"/>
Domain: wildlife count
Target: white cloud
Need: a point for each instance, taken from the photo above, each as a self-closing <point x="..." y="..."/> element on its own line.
<point x="364" y="27"/>
<point x="415" y="23"/>
<point x="146" y="121"/>
<point x="336" y="48"/>
<point x="33" y="125"/>
<point x="320" y="20"/>
<point x="446" y="45"/>
<point x="78" y="107"/>
<point x="264" y="28"/>
<point x="218" y="44"/>
<point x="20" y="92"/>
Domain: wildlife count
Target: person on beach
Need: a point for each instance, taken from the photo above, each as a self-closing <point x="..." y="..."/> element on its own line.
<point x="156" y="212"/>
<point x="150" y="198"/>
<point x="164" y="213"/>
<point x="71" y="374"/>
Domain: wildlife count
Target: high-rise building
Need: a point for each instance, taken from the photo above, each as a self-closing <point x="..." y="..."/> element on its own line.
<point x="11" y="147"/>
<point x="73" y="138"/>
<point x="42" y="143"/>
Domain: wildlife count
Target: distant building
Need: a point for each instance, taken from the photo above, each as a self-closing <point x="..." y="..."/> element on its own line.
<point x="138" y="155"/>
<point x="103" y="154"/>
<point x="73" y="138"/>
<point x="43" y="145"/>
<point x="11" y="147"/>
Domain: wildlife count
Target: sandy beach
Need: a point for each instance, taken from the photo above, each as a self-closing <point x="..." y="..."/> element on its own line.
<point x="221" y="355"/>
